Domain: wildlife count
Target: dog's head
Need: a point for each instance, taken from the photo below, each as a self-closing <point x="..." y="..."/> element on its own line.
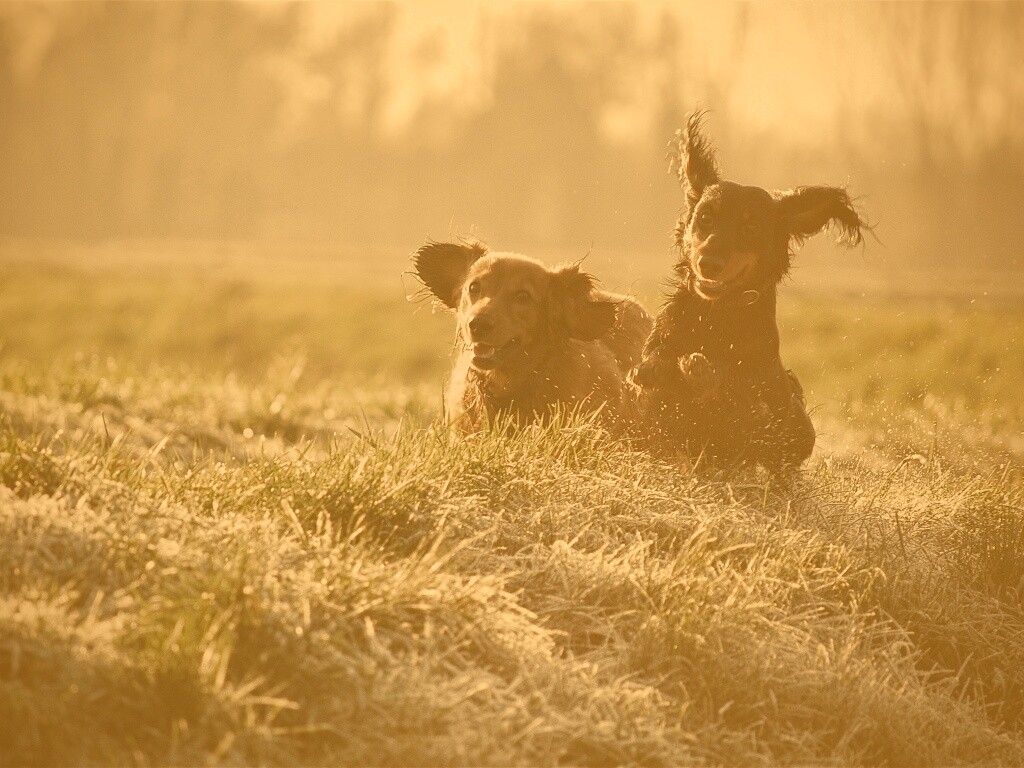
<point x="735" y="238"/>
<point x="511" y="307"/>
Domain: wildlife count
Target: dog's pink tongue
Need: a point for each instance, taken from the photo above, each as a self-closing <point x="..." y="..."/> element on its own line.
<point x="483" y="350"/>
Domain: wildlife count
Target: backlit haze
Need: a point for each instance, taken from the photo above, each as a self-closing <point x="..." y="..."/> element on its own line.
<point x="536" y="126"/>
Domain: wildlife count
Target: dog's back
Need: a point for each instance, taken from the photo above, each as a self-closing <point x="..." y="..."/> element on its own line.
<point x="627" y="336"/>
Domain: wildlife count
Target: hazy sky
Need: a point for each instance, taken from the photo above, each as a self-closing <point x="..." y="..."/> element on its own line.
<point x="533" y="121"/>
<point x="794" y="64"/>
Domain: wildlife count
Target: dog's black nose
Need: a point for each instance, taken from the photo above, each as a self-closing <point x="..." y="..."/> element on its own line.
<point x="480" y="324"/>
<point x="710" y="266"/>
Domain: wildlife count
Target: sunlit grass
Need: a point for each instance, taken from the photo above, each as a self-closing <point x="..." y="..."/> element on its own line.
<point x="266" y="552"/>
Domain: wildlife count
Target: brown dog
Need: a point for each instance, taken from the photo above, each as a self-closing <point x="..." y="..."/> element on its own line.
<point x="712" y="379"/>
<point x="530" y="338"/>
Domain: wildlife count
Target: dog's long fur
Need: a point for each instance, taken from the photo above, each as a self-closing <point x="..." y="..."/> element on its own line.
<point x="531" y="338"/>
<point x="712" y="379"/>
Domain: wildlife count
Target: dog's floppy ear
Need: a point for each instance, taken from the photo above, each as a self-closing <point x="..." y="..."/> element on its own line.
<point x="692" y="158"/>
<point x="583" y="315"/>
<point x="808" y="210"/>
<point x="443" y="267"/>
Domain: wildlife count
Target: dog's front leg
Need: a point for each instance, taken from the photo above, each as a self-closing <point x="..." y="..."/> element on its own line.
<point x="798" y="431"/>
<point x="789" y="436"/>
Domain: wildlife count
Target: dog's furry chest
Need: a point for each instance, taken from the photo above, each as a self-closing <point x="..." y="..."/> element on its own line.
<point x="742" y="343"/>
<point x="579" y="374"/>
<point x="750" y="389"/>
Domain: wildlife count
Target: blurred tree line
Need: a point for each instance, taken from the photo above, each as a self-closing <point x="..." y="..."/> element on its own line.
<point x="536" y="126"/>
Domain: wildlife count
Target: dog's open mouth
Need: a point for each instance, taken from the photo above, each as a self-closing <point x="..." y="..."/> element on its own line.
<point x="733" y="280"/>
<point x="711" y="289"/>
<point x="716" y="289"/>
<point x="488" y="355"/>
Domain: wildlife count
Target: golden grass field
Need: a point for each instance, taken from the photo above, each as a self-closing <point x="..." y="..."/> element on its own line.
<point x="232" y="533"/>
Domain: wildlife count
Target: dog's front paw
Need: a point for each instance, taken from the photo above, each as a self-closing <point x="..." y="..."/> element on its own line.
<point x="643" y="375"/>
<point x="700" y="375"/>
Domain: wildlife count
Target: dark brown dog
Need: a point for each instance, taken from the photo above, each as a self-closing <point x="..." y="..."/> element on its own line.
<point x="530" y="338"/>
<point x="711" y="376"/>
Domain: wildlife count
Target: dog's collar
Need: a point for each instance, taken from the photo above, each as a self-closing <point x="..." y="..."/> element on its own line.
<point x="745" y="299"/>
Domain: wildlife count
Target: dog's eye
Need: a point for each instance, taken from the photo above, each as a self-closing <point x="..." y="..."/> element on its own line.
<point x="704" y="219"/>
<point x="474" y="289"/>
<point x="522" y="297"/>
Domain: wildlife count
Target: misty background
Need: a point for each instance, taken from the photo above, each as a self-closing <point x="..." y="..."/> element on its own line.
<point x="533" y="126"/>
